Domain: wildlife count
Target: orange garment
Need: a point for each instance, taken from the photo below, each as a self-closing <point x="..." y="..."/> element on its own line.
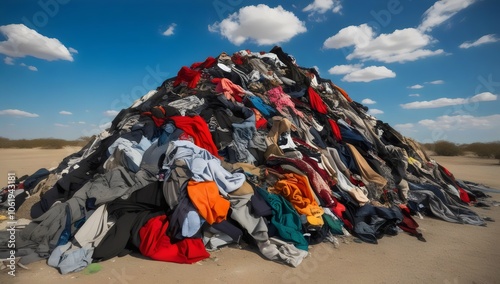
<point x="346" y="96"/>
<point x="296" y="189"/>
<point x="207" y="200"/>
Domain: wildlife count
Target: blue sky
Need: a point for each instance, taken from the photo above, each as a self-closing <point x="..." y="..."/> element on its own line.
<point x="431" y="69"/>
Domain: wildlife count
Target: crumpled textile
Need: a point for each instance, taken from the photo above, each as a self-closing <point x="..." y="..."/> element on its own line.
<point x="434" y="200"/>
<point x="280" y="251"/>
<point x="209" y="204"/>
<point x="69" y="258"/>
<point x="296" y="189"/>
<point x="281" y="100"/>
<point x="197" y="128"/>
<point x="133" y="152"/>
<point x="156" y="244"/>
<point x="285" y="219"/>
<point x="316" y="102"/>
<point x="372" y="222"/>
<point x="187" y="103"/>
<point x="230" y="90"/>
<point x="203" y="165"/>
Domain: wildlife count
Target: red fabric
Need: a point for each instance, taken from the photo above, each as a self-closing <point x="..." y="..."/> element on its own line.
<point x="196" y="127"/>
<point x="209" y="62"/>
<point x="158" y="119"/>
<point x="316" y="102"/>
<point x="261" y="123"/>
<point x="237" y="59"/>
<point x="335" y="129"/>
<point x="322" y="172"/>
<point x="156" y="244"/>
<point x="191" y="77"/>
<point x="338" y="209"/>
<point x="464" y="196"/>
<point x="408" y="224"/>
<point x="446" y="171"/>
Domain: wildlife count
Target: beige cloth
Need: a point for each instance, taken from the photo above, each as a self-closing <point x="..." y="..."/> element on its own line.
<point x="365" y="170"/>
<point x="280" y="125"/>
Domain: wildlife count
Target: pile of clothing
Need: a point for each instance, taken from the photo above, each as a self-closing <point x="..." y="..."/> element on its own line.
<point x="248" y="147"/>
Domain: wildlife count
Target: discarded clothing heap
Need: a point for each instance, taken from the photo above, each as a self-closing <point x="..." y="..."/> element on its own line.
<point x="249" y="147"/>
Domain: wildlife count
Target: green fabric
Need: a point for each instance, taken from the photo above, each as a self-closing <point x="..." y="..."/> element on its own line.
<point x="285" y="218"/>
<point x="92" y="268"/>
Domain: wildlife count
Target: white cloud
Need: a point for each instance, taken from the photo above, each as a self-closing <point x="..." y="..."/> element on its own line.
<point x="61" y="125"/>
<point x="262" y="24"/>
<point x="484" y="97"/>
<point x="414" y="95"/>
<point x="482" y="40"/>
<point x="374" y="111"/>
<point x="170" y="30"/>
<point x="462" y="122"/>
<point x="351" y="35"/>
<point x="8" y="60"/>
<point x="111" y="113"/>
<point x="415" y="87"/>
<point x="23" y="41"/>
<point x="436" y="82"/>
<point x="399" y="46"/>
<point x="344" y="69"/>
<point x="368" y="101"/>
<point x="32" y="68"/>
<point x="369" y="74"/>
<point x="323" y="6"/>
<point x="16" y="112"/>
<point x="72" y="50"/>
<point x="442" y="11"/>
<point x="406" y="129"/>
<point x="442" y="102"/>
<point x="64" y="112"/>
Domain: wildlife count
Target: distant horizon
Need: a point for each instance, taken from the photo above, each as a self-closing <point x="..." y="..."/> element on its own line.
<point x="430" y="69"/>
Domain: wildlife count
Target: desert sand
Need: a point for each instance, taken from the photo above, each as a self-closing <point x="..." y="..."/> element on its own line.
<point x="453" y="253"/>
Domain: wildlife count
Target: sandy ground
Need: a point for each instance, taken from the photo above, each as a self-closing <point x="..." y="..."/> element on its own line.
<point x="453" y="253"/>
<point x="27" y="161"/>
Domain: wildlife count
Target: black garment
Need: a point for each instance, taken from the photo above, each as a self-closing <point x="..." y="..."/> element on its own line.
<point x="293" y="72"/>
<point x="372" y="222"/>
<point x="174" y="230"/>
<point x="230" y="229"/>
<point x="131" y="214"/>
<point x="30" y="182"/>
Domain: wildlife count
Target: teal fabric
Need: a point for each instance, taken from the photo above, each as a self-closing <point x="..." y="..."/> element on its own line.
<point x="285" y="218"/>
